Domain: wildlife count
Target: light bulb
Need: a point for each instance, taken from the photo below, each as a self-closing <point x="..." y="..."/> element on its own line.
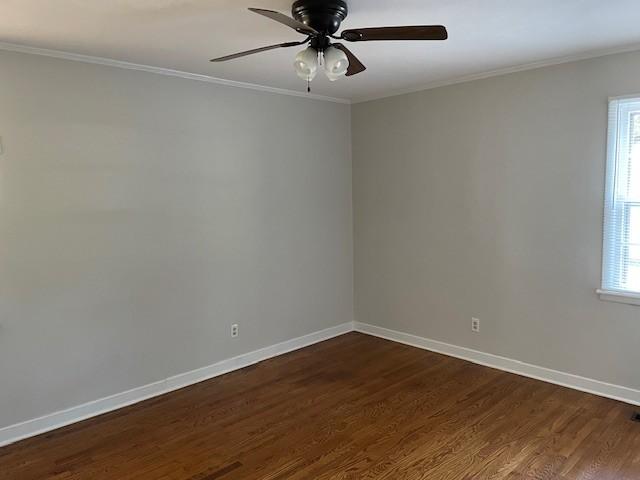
<point x="306" y="64"/>
<point x="332" y="77"/>
<point x="336" y="63"/>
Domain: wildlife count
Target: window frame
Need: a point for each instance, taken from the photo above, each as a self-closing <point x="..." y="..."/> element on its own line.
<point x="615" y="252"/>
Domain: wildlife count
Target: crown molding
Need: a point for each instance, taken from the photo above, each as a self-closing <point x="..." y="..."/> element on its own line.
<point x="76" y="57"/>
<point x="13" y="47"/>
<point x="501" y="71"/>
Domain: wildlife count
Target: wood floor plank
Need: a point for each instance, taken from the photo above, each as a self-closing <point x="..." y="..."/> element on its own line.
<point x="354" y="407"/>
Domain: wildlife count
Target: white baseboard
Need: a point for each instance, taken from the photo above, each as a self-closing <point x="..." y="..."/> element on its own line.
<point x="36" y="426"/>
<point x="596" y="387"/>
<point x="49" y="422"/>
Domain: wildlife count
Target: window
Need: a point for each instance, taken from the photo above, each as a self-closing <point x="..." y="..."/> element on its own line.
<point x="621" y="248"/>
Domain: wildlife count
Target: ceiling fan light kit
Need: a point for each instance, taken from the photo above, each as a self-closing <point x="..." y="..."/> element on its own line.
<point x="319" y="20"/>
<point x="333" y="60"/>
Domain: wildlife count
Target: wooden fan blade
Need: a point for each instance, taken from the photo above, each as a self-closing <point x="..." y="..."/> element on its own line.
<point x="355" y="65"/>
<point x="257" y="50"/>
<point x="420" y="32"/>
<point x="285" y="20"/>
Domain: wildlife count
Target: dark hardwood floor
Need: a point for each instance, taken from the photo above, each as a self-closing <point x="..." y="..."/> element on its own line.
<point x="355" y="407"/>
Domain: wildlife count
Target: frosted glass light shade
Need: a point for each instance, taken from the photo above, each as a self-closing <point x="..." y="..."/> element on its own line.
<point x="336" y="63"/>
<point x="306" y="63"/>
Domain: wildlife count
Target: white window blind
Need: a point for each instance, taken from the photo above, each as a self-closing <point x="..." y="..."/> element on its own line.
<point x="621" y="250"/>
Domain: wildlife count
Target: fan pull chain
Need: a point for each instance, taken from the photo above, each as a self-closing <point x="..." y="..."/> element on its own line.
<point x="308" y="86"/>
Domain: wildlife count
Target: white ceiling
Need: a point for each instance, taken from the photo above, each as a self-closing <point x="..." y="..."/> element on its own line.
<point x="485" y="35"/>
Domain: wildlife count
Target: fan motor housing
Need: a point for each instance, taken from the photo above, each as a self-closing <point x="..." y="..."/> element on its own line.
<point x="325" y="16"/>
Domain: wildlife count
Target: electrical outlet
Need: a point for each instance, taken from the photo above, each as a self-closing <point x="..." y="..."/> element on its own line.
<point x="234" y="330"/>
<point x="475" y="324"/>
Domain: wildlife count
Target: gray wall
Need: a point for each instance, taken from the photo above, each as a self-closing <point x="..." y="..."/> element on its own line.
<point x="485" y="199"/>
<point x="141" y="215"/>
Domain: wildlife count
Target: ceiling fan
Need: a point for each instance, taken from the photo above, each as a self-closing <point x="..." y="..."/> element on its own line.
<point x="319" y="20"/>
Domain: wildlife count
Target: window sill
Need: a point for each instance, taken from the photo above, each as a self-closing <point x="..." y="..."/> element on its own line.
<point x="619" y="297"/>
